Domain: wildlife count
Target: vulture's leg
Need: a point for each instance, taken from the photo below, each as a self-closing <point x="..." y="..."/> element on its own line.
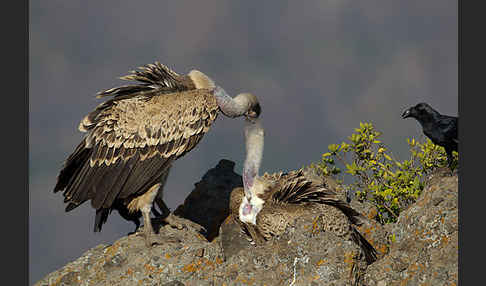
<point x="155" y="211"/>
<point x="162" y="207"/>
<point x="128" y="215"/>
<point x="170" y="218"/>
<point x="148" y="231"/>
<point x="144" y="203"/>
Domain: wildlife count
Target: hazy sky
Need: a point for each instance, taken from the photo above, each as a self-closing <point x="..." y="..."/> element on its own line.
<point x="318" y="68"/>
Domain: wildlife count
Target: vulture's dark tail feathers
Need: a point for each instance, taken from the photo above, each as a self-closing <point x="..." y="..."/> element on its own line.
<point x="368" y="249"/>
<point x="101" y="217"/>
<point x="73" y="165"/>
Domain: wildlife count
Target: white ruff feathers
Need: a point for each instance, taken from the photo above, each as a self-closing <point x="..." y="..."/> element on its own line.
<point x="248" y="211"/>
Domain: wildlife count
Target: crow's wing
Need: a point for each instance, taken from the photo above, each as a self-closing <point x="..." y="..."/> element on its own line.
<point x="448" y="127"/>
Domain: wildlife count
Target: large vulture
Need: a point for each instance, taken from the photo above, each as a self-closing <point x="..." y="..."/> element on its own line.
<point x="267" y="204"/>
<point x="134" y="137"/>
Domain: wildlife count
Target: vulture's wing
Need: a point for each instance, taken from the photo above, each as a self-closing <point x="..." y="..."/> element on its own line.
<point x="132" y="142"/>
<point x="150" y="77"/>
<point x="295" y="188"/>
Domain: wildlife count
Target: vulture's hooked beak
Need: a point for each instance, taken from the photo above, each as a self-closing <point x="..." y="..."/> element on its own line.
<point x="250" y="118"/>
<point x="253" y="112"/>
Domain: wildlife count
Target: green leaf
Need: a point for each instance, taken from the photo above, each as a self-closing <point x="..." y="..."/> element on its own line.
<point x="333" y="147"/>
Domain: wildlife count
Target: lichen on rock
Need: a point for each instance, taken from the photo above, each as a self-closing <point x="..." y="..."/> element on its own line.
<point x="420" y="248"/>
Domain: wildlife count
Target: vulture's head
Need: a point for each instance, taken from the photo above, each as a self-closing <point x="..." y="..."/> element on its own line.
<point x="244" y="104"/>
<point x="252" y="204"/>
<point x="254" y="109"/>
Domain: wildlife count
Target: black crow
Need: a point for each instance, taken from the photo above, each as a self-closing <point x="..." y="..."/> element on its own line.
<point x="441" y="129"/>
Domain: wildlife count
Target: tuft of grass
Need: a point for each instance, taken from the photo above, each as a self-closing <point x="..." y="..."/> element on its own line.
<point x="375" y="176"/>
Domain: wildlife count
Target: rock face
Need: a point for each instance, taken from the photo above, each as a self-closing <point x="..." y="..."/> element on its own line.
<point x="208" y="203"/>
<point x="301" y="256"/>
<point x="129" y="262"/>
<point x="422" y="249"/>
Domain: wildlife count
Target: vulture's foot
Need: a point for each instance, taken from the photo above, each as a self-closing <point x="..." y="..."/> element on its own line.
<point x="152" y="238"/>
<point x="180" y="223"/>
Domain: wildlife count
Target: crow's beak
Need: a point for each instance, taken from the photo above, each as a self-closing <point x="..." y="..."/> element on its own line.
<point x="406" y="113"/>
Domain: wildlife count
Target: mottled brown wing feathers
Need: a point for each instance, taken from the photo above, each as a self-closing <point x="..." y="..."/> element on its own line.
<point x="295" y="188"/>
<point x="152" y="80"/>
<point x="72" y="166"/>
<point x="131" y="143"/>
<point x="167" y="125"/>
<point x="150" y="77"/>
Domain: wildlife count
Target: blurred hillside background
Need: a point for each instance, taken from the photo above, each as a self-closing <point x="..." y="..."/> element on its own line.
<point x="318" y="67"/>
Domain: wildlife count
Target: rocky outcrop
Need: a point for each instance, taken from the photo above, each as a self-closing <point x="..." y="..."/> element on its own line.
<point x="420" y="249"/>
<point x="301" y="256"/>
<point x="424" y="245"/>
<point x="208" y="203"/>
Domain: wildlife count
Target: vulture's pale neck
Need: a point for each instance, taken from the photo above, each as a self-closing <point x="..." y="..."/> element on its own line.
<point x="232" y="107"/>
<point x="251" y="203"/>
<point x="254" y="134"/>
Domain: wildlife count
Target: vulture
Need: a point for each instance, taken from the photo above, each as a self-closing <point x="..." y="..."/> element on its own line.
<point x="440" y="129"/>
<point x="133" y="138"/>
<point x="267" y="204"/>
